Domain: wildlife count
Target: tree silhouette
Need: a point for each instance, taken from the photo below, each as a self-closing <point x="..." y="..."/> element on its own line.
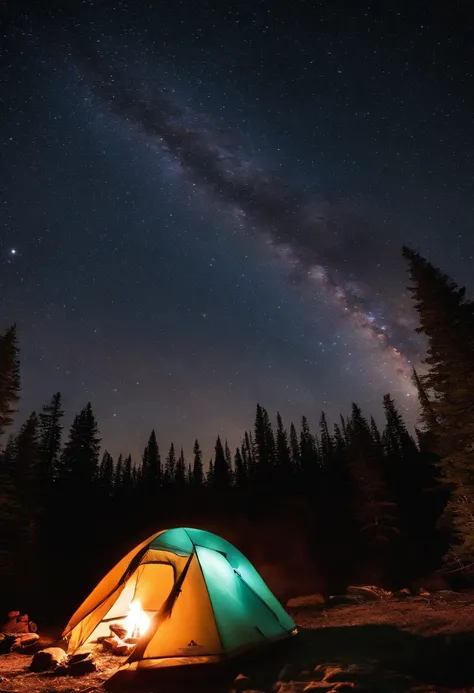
<point x="9" y="377"/>
<point x="447" y="394"/>
<point x="50" y="433"/>
<point x="197" y="472"/>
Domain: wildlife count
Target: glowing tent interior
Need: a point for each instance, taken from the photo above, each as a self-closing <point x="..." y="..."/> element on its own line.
<point x="188" y="596"/>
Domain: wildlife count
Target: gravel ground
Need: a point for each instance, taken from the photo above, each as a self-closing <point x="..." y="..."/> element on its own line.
<point x="416" y="645"/>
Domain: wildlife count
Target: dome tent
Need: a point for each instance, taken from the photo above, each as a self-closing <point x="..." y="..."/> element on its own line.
<point x="204" y="601"/>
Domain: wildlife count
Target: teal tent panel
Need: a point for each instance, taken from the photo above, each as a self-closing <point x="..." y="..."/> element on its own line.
<point x="255" y="582"/>
<point x="246" y="570"/>
<point x="174" y="540"/>
<point x="241" y="617"/>
<point x="225" y="593"/>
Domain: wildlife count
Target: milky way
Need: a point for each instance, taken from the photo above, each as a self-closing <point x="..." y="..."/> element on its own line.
<point x="321" y="244"/>
<point x="208" y="208"/>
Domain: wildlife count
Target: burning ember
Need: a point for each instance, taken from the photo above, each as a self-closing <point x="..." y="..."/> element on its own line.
<point x="137" y="621"/>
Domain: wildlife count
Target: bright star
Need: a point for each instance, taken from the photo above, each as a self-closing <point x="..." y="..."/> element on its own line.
<point x="13" y="251"/>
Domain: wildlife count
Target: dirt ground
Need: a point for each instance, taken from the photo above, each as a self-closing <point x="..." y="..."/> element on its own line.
<point x="416" y="645"/>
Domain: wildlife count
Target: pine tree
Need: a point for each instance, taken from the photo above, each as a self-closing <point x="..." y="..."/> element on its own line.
<point x="221" y="471"/>
<point x="106" y="474"/>
<point x="27" y="483"/>
<point x="295" y="450"/>
<point x="127" y="475"/>
<point x="118" y="476"/>
<point x="265" y="449"/>
<point x="170" y="466"/>
<point x="180" y="473"/>
<point x="374" y="509"/>
<point x="283" y="454"/>
<point x="10" y="513"/>
<point x="248" y="455"/>
<point x="80" y="456"/>
<point x="427" y="415"/>
<point x="308" y="455"/>
<point x="240" y="476"/>
<point x="9" y="377"/>
<point x="27" y="466"/>
<point x="151" y="465"/>
<point x="198" y="472"/>
<point x="210" y="474"/>
<point x="326" y="442"/>
<point x="447" y="320"/>
<point x="50" y="433"/>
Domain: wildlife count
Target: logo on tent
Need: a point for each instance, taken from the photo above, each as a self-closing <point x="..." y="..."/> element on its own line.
<point x="191" y="643"/>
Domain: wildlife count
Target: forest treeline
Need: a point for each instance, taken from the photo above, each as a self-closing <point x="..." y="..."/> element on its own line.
<point x="373" y="503"/>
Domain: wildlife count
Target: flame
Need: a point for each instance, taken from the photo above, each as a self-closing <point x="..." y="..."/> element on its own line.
<point x="137" y="621"/>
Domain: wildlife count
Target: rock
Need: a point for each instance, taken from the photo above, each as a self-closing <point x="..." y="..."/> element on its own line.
<point x="14" y="626"/>
<point x="111" y="643"/>
<point x="83" y="666"/>
<point x="306" y="601"/>
<point x="47" y="659"/>
<point x="123" y="649"/>
<point x="79" y="656"/>
<point x="242" y="683"/>
<point x="118" y="630"/>
<point x="23" y="640"/>
<point x="352" y="673"/>
<point x="368" y="592"/>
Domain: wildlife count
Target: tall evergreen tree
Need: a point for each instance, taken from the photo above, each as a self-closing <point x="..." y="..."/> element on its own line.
<point x="374" y="508"/>
<point x="210" y="474"/>
<point x="151" y="465"/>
<point x="127" y="475"/>
<point x="170" y="466"/>
<point x="50" y="432"/>
<point x="326" y="442"/>
<point x="447" y="319"/>
<point x="27" y="482"/>
<point x="265" y="449"/>
<point x="248" y="454"/>
<point x="283" y="453"/>
<point x="180" y="473"/>
<point x="221" y="471"/>
<point x="240" y="476"/>
<point x="308" y="455"/>
<point x="9" y="377"/>
<point x="118" y="476"/>
<point x="198" y="472"/>
<point x="295" y="449"/>
<point x="106" y="474"/>
<point x="80" y="456"/>
<point x="10" y="514"/>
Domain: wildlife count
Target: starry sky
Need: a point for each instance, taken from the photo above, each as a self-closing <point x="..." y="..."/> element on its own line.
<point x="202" y="209"/>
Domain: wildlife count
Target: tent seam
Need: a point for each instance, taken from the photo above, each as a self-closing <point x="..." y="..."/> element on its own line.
<point x="210" y="600"/>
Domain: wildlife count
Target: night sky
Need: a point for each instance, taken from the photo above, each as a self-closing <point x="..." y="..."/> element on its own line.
<point x="203" y="205"/>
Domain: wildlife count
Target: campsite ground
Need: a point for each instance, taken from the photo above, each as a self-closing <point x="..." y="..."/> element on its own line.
<point x="419" y="644"/>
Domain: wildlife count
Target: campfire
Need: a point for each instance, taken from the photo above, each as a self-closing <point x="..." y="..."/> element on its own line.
<point x="137" y="622"/>
<point x="125" y="634"/>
